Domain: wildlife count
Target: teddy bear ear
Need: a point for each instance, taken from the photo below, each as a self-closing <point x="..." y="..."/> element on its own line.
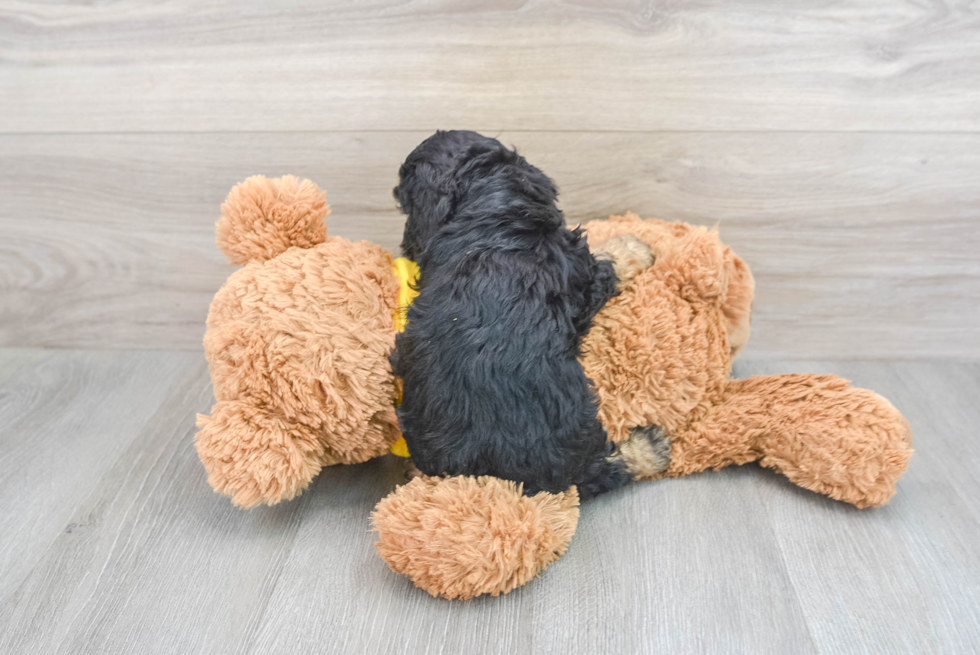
<point x="263" y="217"/>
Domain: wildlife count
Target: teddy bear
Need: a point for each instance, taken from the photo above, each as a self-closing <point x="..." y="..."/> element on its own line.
<point x="297" y="344"/>
<point x="298" y="340"/>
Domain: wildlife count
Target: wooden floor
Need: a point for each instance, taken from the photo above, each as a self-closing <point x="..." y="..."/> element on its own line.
<point x="113" y="542"/>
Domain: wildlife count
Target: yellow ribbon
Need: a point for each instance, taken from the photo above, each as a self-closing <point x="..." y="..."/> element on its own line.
<point x="407" y="273"/>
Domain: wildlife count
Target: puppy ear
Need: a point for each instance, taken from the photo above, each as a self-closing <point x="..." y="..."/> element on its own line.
<point x="443" y="209"/>
<point x="429" y="202"/>
<point x="537" y="185"/>
<point x="443" y="198"/>
<point x="473" y="163"/>
<point x="401" y="198"/>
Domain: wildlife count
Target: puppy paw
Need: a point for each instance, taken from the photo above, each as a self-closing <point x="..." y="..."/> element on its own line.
<point x="411" y="471"/>
<point x="646" y="452"/>
<point x="629" y="256"/>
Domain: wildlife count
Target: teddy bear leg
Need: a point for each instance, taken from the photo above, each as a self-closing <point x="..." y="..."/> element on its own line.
<point x="256" y="456"/>
<point x="825" y="435"/>
<point x="461" y="537"/>
<point x="629" y="257"/>
<point x="646" y="452"/>
<point x="817" y="430"/>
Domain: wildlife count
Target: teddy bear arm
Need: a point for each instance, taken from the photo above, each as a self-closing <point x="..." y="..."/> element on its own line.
<point x="629" y="257"/>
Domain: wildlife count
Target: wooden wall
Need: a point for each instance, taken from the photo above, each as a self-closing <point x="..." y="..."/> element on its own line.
<point x="837" y="145"/>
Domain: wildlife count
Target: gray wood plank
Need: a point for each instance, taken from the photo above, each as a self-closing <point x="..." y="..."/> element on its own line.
<point x="64" y="420"/>
<point x="13" y="360"/>
<point x="684" y="566"/>
<point x="904" y="578"/>
<point x="150" y="560"/>
<point x="153" y="560"/>
<point x="863" y="245"/>
<point x="578" y="65"/>
<point x="652" y="569"/>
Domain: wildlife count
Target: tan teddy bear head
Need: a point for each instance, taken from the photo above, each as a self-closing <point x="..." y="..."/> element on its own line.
<point x="297" y="343"/>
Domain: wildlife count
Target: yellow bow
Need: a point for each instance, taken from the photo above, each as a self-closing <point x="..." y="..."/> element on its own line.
<point x="407" y="273"/>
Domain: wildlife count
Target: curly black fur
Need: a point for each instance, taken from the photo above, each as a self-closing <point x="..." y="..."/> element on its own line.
<point x="492" y="383"/>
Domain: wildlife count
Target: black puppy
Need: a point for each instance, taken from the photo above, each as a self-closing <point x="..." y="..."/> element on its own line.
<point x="492" y="383"/>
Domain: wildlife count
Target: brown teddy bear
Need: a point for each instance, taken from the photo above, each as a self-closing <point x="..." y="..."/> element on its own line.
<point x="297" y="343"/>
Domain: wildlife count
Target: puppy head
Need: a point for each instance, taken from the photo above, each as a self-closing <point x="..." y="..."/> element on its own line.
<point x="450" y="168"/>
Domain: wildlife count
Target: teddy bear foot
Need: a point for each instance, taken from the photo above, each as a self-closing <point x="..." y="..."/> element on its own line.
<point x="462" y="537"/>
<point x="646" y="452"/>
<point x="629" y="257"/>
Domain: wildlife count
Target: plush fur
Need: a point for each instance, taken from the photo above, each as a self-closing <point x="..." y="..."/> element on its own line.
<point x="263" y="217"/>
<point x="509" y="537"/>
<point x="489" y="358"/>
<point x="660" y="354"/>
<point x="298" y="342"/>
<point x="694" y="304"/>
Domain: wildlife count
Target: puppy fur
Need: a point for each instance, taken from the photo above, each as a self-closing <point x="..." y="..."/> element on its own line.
<point x="492" y="382"/>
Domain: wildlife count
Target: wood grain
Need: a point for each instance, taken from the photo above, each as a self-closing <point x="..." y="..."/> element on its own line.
<point x="64" y="419"/>
<point x="147" y="559"/>
<point x="836" y="145"/>
<point x="896" y="579"/>
<point x="154" y="561"/>
<point x="878" y="65"/>
<point x="609" y="593"/>
<point x="863" y="245"/>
